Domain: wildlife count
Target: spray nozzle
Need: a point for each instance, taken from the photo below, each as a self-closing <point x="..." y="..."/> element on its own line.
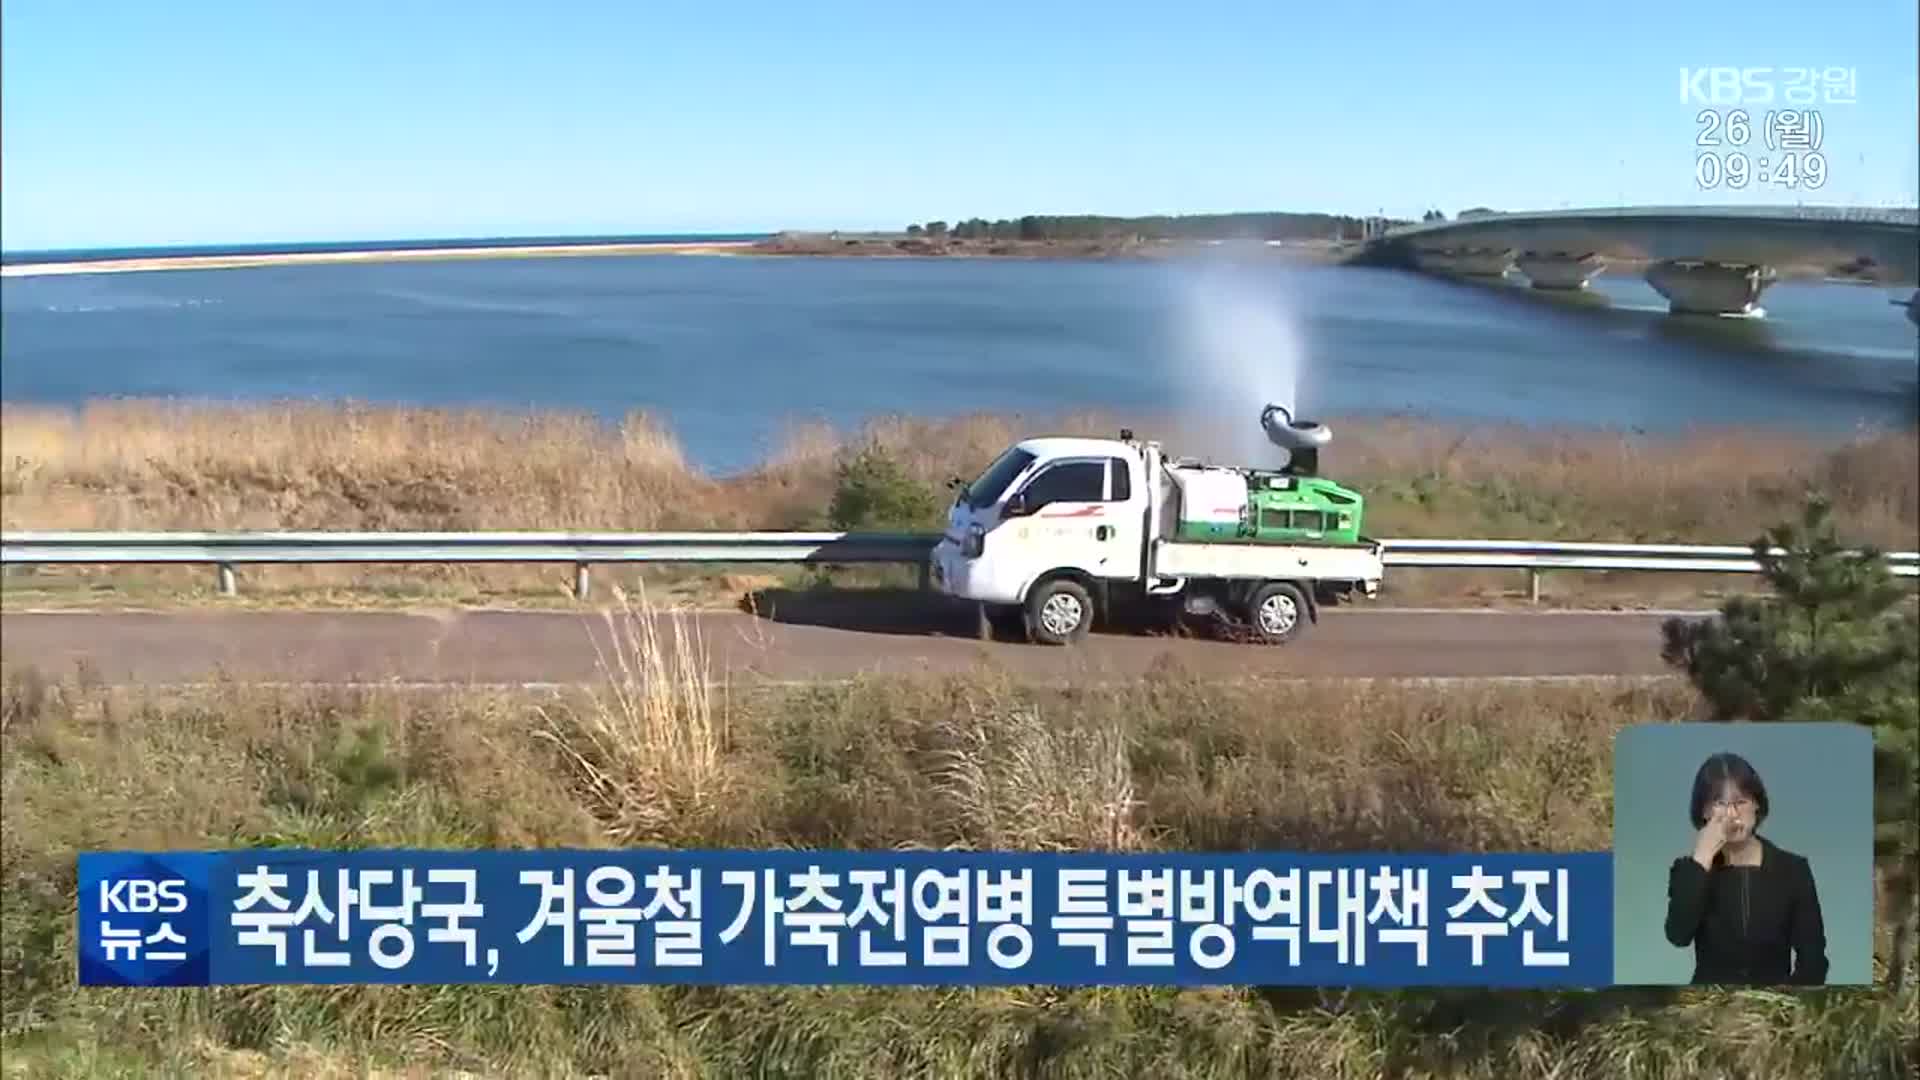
<point x="1290" y="434"/>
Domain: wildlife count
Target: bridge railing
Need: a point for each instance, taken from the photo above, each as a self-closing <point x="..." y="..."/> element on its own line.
<point x="1861" y="215"/>
<point x="225" y="551"/>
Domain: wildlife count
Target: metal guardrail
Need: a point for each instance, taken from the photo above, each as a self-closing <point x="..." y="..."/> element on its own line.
<point x="469" y="547"/>
<point x="1538" y="557"/>
<point x="228" y="550"/>
<point x="1552" y="555"/>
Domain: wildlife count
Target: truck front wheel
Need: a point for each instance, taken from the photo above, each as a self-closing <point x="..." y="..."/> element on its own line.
<point x="1059" y="612"/>
<point x="1276" y="612"/>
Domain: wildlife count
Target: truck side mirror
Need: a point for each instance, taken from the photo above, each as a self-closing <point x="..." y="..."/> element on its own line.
<point x="1016" y="505"/>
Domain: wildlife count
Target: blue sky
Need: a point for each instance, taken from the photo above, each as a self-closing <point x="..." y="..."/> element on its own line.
<point x="138" y="123"/>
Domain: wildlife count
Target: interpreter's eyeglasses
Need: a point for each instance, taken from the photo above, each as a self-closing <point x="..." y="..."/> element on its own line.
<point x="1733" y="804"/>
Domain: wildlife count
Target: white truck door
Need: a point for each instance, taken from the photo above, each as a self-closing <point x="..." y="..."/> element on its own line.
<point x="1067" y="520"/>
<point x="1122" y="529"/>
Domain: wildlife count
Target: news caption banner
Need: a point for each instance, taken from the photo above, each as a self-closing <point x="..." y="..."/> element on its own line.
<point x="1772" y="135"/>
<point x="865" y="918"/>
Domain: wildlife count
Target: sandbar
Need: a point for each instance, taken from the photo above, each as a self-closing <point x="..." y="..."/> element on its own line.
<point x="224" y="262"/>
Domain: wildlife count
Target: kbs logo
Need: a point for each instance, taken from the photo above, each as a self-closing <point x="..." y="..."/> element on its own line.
<point x="1726" y="86"/>
<point x="142" y="918"/>
<point x="143" y="897"/>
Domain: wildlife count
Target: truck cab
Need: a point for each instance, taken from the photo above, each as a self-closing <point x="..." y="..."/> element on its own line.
<point x="1057" y="528"/>
<point x="1062" y="506"/>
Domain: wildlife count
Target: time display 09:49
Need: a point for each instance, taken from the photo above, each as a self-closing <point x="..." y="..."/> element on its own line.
<point x="1792" y="137"/>
<point x="1735" y="169"/>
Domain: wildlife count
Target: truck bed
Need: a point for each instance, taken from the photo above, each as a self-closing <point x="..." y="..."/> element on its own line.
<point x="1267" y="561"/>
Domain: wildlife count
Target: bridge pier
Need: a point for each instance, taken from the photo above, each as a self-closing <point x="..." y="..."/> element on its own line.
<point x="1559" y="270"/>
<point x="1694" y="287"/>
<point x="1466" y="262"/>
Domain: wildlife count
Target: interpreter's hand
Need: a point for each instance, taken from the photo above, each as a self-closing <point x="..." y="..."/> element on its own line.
<point x="1712" y="837"/>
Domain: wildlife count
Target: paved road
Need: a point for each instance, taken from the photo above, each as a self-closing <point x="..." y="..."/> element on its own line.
<point x="799" y="643"/>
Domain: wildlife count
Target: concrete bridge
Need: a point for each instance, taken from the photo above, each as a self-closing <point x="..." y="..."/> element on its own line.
<point x="1704" y="259"/>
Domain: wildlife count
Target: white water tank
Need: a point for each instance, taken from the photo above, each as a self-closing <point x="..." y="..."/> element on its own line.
<point x="1211" y="499"/>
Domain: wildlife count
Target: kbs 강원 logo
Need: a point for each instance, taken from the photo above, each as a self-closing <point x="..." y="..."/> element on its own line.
<point x="1793" y="86"/>
<point x="143" y="920"/>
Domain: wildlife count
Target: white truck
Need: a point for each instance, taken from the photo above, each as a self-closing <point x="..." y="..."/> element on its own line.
<point x="1060" y="532"/>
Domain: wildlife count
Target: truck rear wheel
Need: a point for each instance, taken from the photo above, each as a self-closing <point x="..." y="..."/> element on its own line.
<point x="1276" y="612"/>
<point x="1059" y="612"/>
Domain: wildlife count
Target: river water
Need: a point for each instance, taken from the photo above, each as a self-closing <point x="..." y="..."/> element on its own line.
<point x="728" y="348"/>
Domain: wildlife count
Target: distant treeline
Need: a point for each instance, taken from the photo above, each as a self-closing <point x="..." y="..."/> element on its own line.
<point x="1266" y="226"/>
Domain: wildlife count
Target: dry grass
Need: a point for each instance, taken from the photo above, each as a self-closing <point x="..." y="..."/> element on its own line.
<point x="1017" y="783"/>
<point x="1169" y="762"/>
<point x="647" y="746"/>
<point x="141" y="465"/>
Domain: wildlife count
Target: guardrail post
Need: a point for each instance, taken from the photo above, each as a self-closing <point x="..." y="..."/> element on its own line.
<point x="228" y="586"/>
<point x="1533" y="586"/>
<point x="582" y="581"/>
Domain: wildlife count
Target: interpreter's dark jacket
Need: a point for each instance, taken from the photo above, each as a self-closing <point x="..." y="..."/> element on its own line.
<point x="1752" y="925"/>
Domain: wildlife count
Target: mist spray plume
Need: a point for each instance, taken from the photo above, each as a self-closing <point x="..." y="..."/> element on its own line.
<point x="1237" y="349"/>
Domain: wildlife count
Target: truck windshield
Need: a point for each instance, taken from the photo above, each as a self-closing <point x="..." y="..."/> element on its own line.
<point x="983" y="492"/>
